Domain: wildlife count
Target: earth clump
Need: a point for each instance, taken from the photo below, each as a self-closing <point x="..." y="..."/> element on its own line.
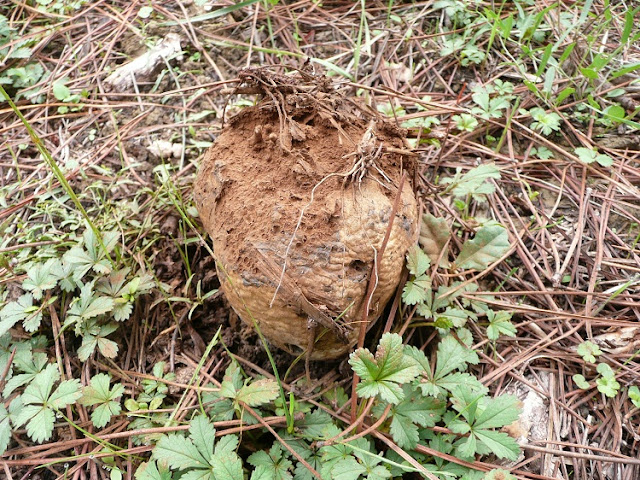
<point x="297" y="194"/>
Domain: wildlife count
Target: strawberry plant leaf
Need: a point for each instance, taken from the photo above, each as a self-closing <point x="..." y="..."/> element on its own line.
<point x="500" y="324"/>
<point x="415" y="291"/>
<point x="179" y="453"/>
<point x="489" y="244"/>
<point x="28" y="362"/>
<point x="66" y="393"/>
<point x="417" y="261"/>
<point x="452" y="355"/>
<point x="38" y="403"/>
<point x="498" y="412"/>
<point x="413" y="412"/>
<point x="227" y="466"/>
<point x="41" y="277"/>
<point x="5" y="429"/>
<point x="99" y="393"/>
<point x="20" y="310"/>
<point x="382" y="375"/>
<point x="273" y="463"/>
<point x="88" y="305"/>
<point x="258" y="392"/>
<point x="347" y="469"/>
<point x="474" y="182"/>
<point x="498" y="443"/>
<point x="152" y="471"/>
<point x="203" y="434"/>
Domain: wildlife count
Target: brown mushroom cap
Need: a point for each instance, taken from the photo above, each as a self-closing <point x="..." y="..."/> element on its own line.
<point x="281" y="252"/>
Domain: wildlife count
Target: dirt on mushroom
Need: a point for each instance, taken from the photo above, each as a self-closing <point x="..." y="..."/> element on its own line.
<point x="297" y="194"/>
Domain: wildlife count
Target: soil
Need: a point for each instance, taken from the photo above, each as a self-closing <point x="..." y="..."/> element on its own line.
<point x="275" y="194"/>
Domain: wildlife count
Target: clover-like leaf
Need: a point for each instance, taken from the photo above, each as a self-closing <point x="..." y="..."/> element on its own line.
<point x="589" y="351"/>
<point x="581" y="382"/>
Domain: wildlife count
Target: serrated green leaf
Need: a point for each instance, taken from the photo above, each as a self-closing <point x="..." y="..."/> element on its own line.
<point x="80" y="260"/>
<point x="415" y="292"/>
<point x="417" y="261"/>
<point x="260" y="458"/>
<point x="88" y="305"/>
<point x="66" y="393"/>
<point x="103" y="413"/>
<point x="99" y="393"/>
<point x="227" y="443"/>
<point x="20" y="310"/>
<point x="232" y="381"/>
<point x="347" y="469"/>
<point x="489" y="244"/>
<point x="39" y="389"/>
<point x="467" y="448"/>
<point x="89" y="344"/>
<point x="499" y="443"/>
<point x="262" y="472"/>
<point x="107" y="347"/>
<point x="475" y="181"/>
<point x="274" y="462"/>
<point x="198" y="474"/>
<point x="500" y="324"/>
<point x="453" y="380"/>
<point x="227" y="466"/>
<point x="22" y="52"/>
<point x="314" y="424"/>
<point x="98" y="390"/>
<point x="258" y="392"/>
<point x="203" y="435"/>
<point x="465" y="400"/>
<point x="5" y="429"/>
<point x="404" y="432"/>
<point x="41" y="277"/>
<point x="452" y="355"/>
<point x="179" y="453"/>
<point x="98" y="306"/>
<point x="40" y="426"/>
<point x="422" y="411"/>
<point x="153" y="471"/>
<point x="498" y="412"/>
<point x="29" y="362"/>
<point x="458" y="316"/>
<point x="383" y="374"/>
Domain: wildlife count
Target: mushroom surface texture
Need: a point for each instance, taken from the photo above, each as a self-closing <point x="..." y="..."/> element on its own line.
<point x="297" y="194"/>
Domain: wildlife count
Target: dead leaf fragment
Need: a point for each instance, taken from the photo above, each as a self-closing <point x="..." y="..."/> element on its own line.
<point x="434" y="235"/>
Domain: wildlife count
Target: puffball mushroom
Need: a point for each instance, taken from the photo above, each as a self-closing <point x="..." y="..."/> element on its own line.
<point x="297" y="198"/>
